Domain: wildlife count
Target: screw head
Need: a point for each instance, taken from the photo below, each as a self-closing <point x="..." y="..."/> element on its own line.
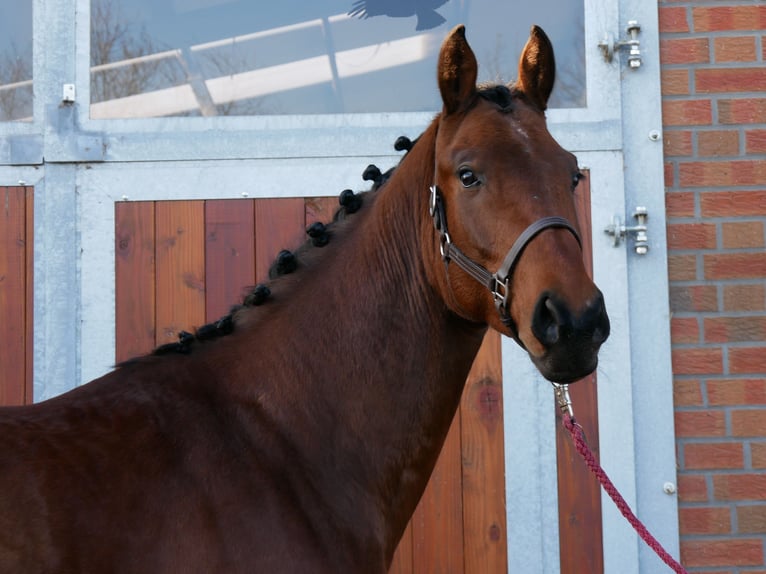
<point x="669" y="488"/>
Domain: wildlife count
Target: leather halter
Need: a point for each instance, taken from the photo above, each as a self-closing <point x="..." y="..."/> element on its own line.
<point x="499" y="284"/>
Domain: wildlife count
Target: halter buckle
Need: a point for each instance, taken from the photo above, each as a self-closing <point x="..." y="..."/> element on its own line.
<point x="432" y="201"/>
<point x="500" y="290"/>
<point x="444" y="242"/>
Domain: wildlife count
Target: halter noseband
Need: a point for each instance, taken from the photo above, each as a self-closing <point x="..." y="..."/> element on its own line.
<point x="497" y="283"/>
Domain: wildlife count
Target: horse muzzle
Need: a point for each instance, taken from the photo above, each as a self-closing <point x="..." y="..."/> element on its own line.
<point x="571" y="340"/>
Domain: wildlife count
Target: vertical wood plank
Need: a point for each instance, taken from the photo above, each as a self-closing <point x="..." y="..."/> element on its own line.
<point x="402" y="562"/>
<point x="180" y="268"/>
<point x="320" y="209"/>
<point x="582" y="205"/>
<point x="279" y="224"/>
<point x="30" y="295"/>
<point x="13" y="293"/>
<point x="580" y="527"/>
<point x="135" y="279"/>
<point x="229" y="254"/>
<point x="483" y="462"/>
<point x="437" y="525"/>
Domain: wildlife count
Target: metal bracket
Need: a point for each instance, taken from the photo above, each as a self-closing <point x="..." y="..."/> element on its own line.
<point x="617" y="230"/>
<point x="633" y="44"/>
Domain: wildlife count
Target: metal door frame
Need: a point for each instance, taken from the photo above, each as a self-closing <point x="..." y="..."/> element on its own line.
<point x="75" y="164"/>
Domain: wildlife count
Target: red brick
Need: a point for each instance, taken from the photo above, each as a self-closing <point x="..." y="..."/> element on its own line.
<point x="684" y="51"/>
<point x="718" y="143"/>
<point x="718" y="80"/>
<point x="742" y="234"/>
<point x="684" y="330"/>
<point x="704" y="520"/>
<point x="748" y="423"/>
<point x="731" y="392"/>
<point x="734" y="49"/>
<point x="758" y="454"/>
<point x="668" y="174"/>
<point x="735" y="266"/>
<point x="674" y="82"/>
<point x="728" y="18"/>
<point x="691" y="236"/>
<point x="714" y="456"/>
<point x="700" y="423"/>
<point x="755" y="141"/>
<point x="693" y="298"/>
<point x="687" y="112"/>
<point x="748" y="297"/>
<point x="722" y="173"/>
<point x="734" y="329"/>
<point x="733" y="203"/>
<point x="744" y="111"/>
<point x="697" y="361"/>
<point x="682" y="267"/>
<point x="687" y="393"/>
<point x="729" y="552"/>
<point x="673" y="20"/>
<point x="692" y="488"/>
<point x="747" y="360"/>
<point x="749" y="486"/>
<point x="677" y="143"/>
<point x="751" y="519"/>
<point x="679" y="204"/>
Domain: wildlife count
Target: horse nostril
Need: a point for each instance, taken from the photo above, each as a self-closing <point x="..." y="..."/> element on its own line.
<point x="599" y="319"/>
<point x="546" y="321"/>
<point x="553" y="322"/>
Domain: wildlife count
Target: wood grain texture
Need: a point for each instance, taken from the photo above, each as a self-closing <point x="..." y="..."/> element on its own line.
<point x="13" y="295"/>
<point x="580" y="527"/>
<point x="180" y="270"/>
<point x="30" y="295"/>
<point x="279" y="224"/>
<point x="483" y="462"/>
<point x="321" y="209"/>
<point x="134" y="279"/>
<point x="437" y="525"/>
<point x="229" y="254"/>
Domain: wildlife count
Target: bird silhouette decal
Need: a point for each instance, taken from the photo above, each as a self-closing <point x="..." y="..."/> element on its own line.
<point x="425" y="10"/>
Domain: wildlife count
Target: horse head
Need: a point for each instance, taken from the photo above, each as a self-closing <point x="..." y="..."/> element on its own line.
<point x="503" y="205"/>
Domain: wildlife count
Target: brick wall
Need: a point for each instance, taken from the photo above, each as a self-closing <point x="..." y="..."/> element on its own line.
<point x="714" y="114"/>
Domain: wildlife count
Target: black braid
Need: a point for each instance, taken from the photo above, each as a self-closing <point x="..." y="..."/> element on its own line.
<point x="285" y="264"/>
<point x="319" y="234"/>
<point x="286" y="261"/>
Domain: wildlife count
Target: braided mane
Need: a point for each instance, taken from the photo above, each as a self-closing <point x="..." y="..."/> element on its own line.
<point x="286" y="262"/>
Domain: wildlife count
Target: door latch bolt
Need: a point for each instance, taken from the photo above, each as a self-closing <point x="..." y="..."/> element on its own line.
<point x="618" y="230"/>
<point x="632" y="44"/>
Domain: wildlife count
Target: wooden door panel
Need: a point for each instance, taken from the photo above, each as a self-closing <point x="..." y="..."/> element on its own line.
<point x="580" y="540"/>
<point x="180" y="268"/>
<point x="16" y="295"/>
<point x="229" y="254"/>
<point x="134" y="279"/>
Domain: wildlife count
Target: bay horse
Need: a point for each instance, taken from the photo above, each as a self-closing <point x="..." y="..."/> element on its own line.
<point x="302" y="440"/>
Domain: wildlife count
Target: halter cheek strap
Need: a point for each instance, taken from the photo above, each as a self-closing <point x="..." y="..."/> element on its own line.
<point x="497" y="283"/>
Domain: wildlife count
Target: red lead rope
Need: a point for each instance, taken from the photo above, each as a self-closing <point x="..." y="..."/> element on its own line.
<point x="582" y="447"/>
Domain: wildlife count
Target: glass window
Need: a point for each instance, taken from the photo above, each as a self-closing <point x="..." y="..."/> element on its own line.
<point x="155" y="58"/>
<point x="16" y="62"/>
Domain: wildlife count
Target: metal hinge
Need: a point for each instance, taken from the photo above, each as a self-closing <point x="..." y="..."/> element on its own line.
<point x="618" y="231"/>
<point x="632" y="43"/>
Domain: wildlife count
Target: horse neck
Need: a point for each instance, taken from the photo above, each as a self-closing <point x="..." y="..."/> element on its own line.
<point x="376" y="389"/>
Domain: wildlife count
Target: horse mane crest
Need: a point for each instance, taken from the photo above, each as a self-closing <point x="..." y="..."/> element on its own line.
<point x="286" y="262"/>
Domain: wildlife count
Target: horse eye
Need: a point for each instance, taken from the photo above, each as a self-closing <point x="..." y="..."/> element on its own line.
<point x="577" y="178"/>
<point x="468" y="177"/>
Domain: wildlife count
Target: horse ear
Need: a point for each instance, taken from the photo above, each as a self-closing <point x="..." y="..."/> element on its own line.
<point x="457" y="71"/>
<point x="537" y="68"/>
